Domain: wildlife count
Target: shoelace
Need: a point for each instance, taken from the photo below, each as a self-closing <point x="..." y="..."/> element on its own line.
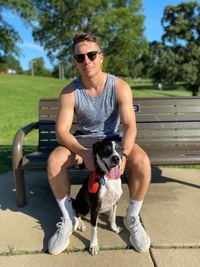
<point x="135" y="224"/>
<point x="61" y="226"/>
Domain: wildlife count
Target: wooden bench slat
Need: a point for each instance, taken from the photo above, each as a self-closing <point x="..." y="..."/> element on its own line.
<point x="48" y="143"/>
<point x="47" y="102"/>
<point x="167" y="150"/>
<point x="170" y="110"/>
<point x="169" y="125"/>
<point x="174" y="160"/>
<point x="48" y="112"/>
<point x="166" y="101"/>
<point x="148" y="134"/>
<point x="167" y="118"/>
<point x="169" y="141"/>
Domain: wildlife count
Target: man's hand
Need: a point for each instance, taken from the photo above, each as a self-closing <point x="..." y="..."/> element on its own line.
<point x="123" y="165"/>
<point x="88" y="159"/>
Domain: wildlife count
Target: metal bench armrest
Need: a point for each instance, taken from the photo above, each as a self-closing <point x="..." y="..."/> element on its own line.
<point x="18" y="140"/>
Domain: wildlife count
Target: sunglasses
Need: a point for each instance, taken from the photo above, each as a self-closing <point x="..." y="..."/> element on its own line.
<point x="91" y="55"/>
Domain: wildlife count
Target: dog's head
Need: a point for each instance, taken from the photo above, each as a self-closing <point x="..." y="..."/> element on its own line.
<point x="108" y="154"/>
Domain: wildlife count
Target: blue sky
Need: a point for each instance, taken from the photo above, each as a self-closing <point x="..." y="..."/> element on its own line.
<point x="153" y="10"/>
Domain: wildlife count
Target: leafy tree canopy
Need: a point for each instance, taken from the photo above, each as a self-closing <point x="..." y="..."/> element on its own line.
<point x="181" y="24"/>
<point x="177" y="57"/>
<point x="37" y="67"/>
<point x="12" y="63"/>
<point x="118" y="24"/>
<point x="8" y="35"/>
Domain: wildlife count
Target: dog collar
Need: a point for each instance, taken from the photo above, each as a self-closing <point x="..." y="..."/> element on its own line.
<point x="126" y="156"/>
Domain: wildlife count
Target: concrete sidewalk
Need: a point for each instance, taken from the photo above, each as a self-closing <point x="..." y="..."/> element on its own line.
<point x="170" y="214"/>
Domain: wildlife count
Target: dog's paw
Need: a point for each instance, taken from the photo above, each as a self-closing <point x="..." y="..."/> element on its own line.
<point x="117" y="229"/>
<point x="94" y="249"/>
<point x="81" y="225"/>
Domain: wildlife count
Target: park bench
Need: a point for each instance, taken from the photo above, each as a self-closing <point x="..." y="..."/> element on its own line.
<point x="168" y="130"/>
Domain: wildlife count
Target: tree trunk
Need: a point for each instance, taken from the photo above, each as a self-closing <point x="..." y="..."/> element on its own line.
<point x="195" y="89"/>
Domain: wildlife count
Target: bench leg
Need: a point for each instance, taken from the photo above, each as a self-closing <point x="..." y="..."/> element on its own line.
<point x="20" y="187"/>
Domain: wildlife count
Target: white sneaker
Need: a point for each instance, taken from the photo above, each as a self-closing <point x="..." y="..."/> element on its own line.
<point x="60" y="239"/>
<point x="138" y="238"/>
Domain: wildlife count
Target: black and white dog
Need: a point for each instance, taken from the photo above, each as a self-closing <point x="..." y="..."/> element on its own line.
<point x="101" y="190"/>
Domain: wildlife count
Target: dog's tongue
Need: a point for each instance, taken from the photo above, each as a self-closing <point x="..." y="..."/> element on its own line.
<point x="115" y="172"/>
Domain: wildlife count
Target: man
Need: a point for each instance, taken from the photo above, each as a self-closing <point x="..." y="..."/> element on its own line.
<point x="100" y="101"/>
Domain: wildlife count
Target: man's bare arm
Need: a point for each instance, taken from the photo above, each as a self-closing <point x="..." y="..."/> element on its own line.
<point x="64" y="123"/>
<point x="127" y="114"/>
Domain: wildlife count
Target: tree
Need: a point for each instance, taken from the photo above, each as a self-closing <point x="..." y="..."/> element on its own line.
<point x="37" y="66"/>
<point x="3" y="65"/>
<point x="118" y="24"/>
<point x="9" y="37"/>
<point x="161" y="63"/>
<point x="13" y="63"/>
<point x="181" y="25"/>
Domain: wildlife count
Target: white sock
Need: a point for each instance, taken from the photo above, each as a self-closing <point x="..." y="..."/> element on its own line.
<point x="134" y="207"/>
<point x="65" y="205"/>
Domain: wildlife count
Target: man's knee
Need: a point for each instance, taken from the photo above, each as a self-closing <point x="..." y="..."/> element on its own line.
<point x="144" y="162"/>
<point x="61" y="159"/>
<point x="139" y="161"/>
<point x="56" y="161"/>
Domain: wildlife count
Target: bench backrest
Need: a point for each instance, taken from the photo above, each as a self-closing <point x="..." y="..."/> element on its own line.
<point x="160" y="121"/>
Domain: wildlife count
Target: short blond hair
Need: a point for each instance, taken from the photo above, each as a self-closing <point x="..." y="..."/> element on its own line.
<point x="83" y="36"/>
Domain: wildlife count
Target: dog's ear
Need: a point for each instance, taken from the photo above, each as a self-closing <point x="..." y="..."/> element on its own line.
<point x="96" y="146"/>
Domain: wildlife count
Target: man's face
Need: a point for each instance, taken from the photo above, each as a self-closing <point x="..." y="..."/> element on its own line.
<point x="88" y="67"/>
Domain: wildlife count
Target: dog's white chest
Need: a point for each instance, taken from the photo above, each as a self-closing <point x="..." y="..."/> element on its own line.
<point x="109" y="194"/>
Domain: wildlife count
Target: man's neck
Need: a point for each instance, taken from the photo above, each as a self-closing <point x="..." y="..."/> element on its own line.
<point x="94" y="86"/>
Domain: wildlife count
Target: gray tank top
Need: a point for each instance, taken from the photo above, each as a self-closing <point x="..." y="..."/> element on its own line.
<point x="97" y="116"/>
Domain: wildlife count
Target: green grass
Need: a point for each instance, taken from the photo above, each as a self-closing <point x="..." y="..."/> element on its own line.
<point x="19" y="96"/>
